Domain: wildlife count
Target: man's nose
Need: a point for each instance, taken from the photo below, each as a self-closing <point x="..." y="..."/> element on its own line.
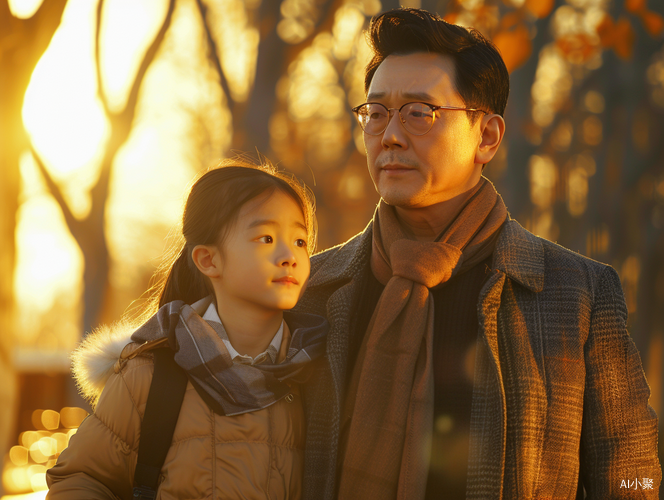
<point x="394" y="134"/>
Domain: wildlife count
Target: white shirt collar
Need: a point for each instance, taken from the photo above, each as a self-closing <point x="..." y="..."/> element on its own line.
<point x="272" y="350"/>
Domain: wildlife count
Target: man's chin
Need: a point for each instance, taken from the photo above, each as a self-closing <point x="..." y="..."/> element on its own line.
<point x="399" y="200"/>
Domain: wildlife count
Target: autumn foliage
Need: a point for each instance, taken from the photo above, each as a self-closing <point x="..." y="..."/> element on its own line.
<point x="512" y="33"/>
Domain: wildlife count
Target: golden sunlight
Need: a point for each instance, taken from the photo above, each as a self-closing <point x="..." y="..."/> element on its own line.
<point x="238" y="44"/>
<point x="24" y="9"/>
<point x="127" y="30"/>
<point x="38" y="495"/>
<point x="61" y="112"/>
<point x="348" y="22"/>
<point x="543" y="177"/>
<point x="181" y="124"/>
<point x="49" y="264"/>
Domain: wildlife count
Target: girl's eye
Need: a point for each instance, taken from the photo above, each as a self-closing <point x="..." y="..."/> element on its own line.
<point x="266" y="239"/>
<point x="300" y="243"/>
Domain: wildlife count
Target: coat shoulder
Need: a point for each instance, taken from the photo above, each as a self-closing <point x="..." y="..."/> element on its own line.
<point x="346" y="250"/>
<point x="539" y="263"/>
<point x="559" y="260"/>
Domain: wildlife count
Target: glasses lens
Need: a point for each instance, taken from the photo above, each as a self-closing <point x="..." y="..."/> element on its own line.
<point x="417" y="117"/>
<point x="373" y="118"/>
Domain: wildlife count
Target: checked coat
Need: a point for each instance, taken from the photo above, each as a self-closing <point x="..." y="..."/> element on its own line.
<point x="560" y="400"/>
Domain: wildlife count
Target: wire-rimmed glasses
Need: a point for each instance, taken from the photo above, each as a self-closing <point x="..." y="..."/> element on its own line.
<point x="416" y="117"/>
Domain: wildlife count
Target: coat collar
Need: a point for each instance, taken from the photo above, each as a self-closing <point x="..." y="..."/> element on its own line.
<point x="346" y="260"/>
<point x="519" y="254"/>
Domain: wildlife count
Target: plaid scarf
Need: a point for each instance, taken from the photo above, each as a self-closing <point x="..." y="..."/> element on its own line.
<point x="229" y="388"/>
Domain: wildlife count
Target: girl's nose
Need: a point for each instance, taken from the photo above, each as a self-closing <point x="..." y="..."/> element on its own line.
<point x="287" y="258"/>
<point x="288" y="261"/>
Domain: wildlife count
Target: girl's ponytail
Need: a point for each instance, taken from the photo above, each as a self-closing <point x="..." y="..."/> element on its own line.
<point x="184" y="281"/>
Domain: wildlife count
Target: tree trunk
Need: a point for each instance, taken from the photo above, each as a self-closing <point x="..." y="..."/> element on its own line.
<point x="22" y="43"/>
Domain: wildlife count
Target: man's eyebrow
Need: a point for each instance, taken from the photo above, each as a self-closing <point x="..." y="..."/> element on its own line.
<point x="416" y="96"/>
<point x="270" y="222"/>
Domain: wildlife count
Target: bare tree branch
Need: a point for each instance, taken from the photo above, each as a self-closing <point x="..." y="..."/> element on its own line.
<point x="130" y="108"/>
<point x="213" y="52"/>
<point x="273" y="57"/>
<point x="121" y="122"/>
<point x="72" y="223"/>
<point x="149" y="56"/>
<point x="101" y="92"/>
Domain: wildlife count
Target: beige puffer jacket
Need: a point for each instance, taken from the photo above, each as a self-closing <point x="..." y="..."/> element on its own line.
<point x="254" y="455"/>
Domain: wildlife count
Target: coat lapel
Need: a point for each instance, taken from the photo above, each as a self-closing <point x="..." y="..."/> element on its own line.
<point x="344" y="271"/>
<point x="333" y="291"/>
<point x="518" y="257"/>
<point x="486" y="459"/>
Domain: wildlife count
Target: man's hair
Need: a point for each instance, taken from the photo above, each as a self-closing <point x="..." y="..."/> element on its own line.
<point x="481" y="80"/>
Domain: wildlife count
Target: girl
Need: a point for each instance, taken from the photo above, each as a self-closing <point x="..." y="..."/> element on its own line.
<point x="248" y="233"/>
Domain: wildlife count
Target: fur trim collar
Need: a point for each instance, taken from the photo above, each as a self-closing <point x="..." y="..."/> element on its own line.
<point x="94" y="358"/>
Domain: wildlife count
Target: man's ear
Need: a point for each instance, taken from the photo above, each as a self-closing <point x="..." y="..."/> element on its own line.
<point x="492" y="128"/>
<point x="207" y="259"/>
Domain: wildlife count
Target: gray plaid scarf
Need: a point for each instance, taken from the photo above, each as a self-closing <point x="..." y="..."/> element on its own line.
<point x="229" y="388"/>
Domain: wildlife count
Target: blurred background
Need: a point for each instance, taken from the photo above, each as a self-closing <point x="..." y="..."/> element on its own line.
<point x="108" y="108"/>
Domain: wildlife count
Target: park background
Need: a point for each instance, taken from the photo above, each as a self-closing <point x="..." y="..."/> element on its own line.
<point x="109" y="108"/>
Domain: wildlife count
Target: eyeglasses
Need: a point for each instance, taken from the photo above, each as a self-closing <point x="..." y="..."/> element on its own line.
<point x="416" y="117"/>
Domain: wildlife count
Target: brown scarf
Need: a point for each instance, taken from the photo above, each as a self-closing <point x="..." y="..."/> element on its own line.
<point x="388" y="415"/>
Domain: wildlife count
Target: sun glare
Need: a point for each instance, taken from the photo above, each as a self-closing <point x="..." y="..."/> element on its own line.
<point x="49" y="264"/>
<point x="181" y="124"/>
<point x="61" y="112"/>
<point x="24" y="9"/>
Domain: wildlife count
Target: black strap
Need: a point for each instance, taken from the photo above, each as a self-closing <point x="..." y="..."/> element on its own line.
<point x="169" y="383"/>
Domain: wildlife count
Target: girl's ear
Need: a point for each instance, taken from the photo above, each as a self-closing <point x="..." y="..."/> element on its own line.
<point x="207" y="259"/>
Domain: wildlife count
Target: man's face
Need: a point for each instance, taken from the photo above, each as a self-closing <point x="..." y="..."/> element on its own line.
<point x="411" y="171"/>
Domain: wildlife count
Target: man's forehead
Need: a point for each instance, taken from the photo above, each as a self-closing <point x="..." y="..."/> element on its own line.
<point x="419" y="76"/>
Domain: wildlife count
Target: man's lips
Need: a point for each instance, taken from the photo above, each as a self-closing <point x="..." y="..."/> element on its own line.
<point x="395" y="167"/>
<point x="287" y="279"/>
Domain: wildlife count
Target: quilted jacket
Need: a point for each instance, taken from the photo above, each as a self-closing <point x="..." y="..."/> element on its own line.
<point x="560" y="400"/>
<point x="254" y="455"/>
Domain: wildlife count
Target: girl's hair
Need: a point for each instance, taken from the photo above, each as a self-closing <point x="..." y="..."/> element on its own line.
<point x="211" y="211"/>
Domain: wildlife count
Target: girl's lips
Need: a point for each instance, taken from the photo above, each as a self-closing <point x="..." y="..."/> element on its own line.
<point x="286" y="279"/>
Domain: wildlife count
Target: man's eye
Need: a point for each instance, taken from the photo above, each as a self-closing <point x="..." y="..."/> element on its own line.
<point x="301" y="243"/>
<point x="266" y="239"/>
<point x="420" y="114"/>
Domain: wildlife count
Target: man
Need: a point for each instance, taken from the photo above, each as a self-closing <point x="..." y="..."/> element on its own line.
<point x="467" y="358"/>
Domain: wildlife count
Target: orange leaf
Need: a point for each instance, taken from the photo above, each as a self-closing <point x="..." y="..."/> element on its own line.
<point x="624" y="39"/>
<point x="577" y="48"/>
<point x="653" y="22"/>
<point x="510" y="20"/>
<point x="606" y="31"/>
<point x="540" y="8"/>
<point x="635" y="5"/>
<point x="515" y="46"/>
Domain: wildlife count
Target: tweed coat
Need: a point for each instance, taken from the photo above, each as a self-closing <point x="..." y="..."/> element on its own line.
<point x="560" y="400"/>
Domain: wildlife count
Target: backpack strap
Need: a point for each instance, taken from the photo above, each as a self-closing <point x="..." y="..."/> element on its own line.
<point x="167" y="389"/>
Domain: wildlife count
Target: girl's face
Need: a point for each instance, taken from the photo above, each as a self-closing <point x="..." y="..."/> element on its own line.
<point x="265" y="261"/>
